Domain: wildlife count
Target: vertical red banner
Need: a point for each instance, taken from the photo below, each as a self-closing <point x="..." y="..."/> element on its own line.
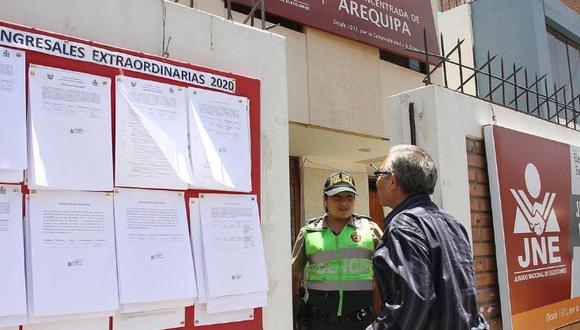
<point x="531" y="188"/>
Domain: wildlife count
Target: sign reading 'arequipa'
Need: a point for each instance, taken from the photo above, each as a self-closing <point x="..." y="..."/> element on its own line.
<point x="535" y="191"/>
<point x="392" y="25"/>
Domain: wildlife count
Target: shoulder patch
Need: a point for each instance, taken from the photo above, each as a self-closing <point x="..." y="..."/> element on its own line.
<point x="312" y="224"/>
<point x="360" y="217"/>
<point x="362" y="221"/>
<point x="314" y="220"/>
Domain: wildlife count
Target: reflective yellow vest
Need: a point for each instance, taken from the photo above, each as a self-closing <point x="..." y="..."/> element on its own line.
<point x="340" y="262"/>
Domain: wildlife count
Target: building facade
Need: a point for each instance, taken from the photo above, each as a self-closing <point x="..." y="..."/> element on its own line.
<point x="330" y="102"/>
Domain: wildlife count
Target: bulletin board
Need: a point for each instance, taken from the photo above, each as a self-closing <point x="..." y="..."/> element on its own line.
<point x="244" y="86"/>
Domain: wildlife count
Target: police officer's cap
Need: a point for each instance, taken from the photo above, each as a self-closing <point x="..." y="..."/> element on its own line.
<point x="339" y="182"/>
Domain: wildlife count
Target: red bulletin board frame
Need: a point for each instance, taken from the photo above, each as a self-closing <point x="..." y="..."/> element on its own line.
<point x="245" y="86"/>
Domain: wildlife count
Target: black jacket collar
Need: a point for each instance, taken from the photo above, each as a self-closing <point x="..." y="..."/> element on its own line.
<point x="409" y="202"/>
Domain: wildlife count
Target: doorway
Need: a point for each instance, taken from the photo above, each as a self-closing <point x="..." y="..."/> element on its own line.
<point x="377" y="214"/>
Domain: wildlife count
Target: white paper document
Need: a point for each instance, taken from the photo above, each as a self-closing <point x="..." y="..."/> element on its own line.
<point x="12" y="277"/>
<point x="11" y="176"/>
<point x="202" y="317"/>
<point x="12" y="109"/>
<point x="219" y="141"/>
<point x="70" y="246"/>
<point x="197" y="247"/>
<point x="7" y="320"/>
<point x="83" y="324"/>
<point x="152" y="320"/>
<point x="151" y="135"/>
<point x="153" y="248"/>
<point x="70" y="130"/>
<point x="10" y="328"/>
<point x="237" y="302"/>
<point x="232" y="245"/>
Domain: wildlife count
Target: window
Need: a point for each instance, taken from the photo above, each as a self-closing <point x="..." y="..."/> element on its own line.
<point x="565" y="64"/>
<point x="409" y="63"/>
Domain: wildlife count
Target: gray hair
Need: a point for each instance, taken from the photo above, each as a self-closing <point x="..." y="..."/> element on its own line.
<point x="414" y="169"/>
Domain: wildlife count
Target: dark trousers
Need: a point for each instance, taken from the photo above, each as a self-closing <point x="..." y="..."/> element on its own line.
<point x="353" y="321"/>
<point x="319" y="313"/>
<point x="325" y="325"/>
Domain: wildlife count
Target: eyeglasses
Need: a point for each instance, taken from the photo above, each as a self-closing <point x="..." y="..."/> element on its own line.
<point x="378" y="173"/>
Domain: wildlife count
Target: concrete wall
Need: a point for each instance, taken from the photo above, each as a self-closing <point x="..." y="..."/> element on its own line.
<point x="516" y="31"/>
<point x="335" y="82"/>
<point x="206" y="40"/>
<point x="498" y="24"/>
<point x="444" y="119"/>
<point x="298" y="84"/>
<point x="563" y="19"/>
<point x="344" y="83"/>
<point x="455" y="24"/>
<point x="348" y="84"/>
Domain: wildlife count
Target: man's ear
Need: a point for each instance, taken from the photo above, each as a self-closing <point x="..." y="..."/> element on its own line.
<point x="393" y="183"/>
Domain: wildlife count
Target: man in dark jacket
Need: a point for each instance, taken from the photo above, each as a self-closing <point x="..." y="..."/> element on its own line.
<point x="423" y="263"/>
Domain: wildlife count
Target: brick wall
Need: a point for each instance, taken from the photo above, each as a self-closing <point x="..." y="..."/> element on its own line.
<point x="573" y="4"/>
<point x="482" y="230"/>
<point x="450" y="4"/>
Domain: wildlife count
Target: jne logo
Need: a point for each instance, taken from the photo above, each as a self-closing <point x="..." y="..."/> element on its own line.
<point x="535" y="214"/>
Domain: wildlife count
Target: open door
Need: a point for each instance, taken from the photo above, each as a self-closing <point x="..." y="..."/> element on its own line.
<point x="377" y="214"/>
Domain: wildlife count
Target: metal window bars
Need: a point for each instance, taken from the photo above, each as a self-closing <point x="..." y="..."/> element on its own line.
<point x="506" y="88"/>
<point x="254" y="5"/>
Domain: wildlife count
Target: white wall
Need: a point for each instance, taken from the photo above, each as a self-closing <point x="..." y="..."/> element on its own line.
<point x="211" y="41"/>
<point x="444" y="119"/>
<point x="455" y="24"/>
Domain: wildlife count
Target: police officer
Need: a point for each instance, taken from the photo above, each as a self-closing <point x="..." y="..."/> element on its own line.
<point x="334" y="255"/>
